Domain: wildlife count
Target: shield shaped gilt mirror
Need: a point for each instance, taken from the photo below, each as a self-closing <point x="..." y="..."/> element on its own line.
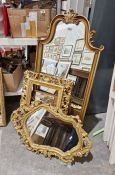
<point x="46" y="130"/>
<point x="68" y="52"/>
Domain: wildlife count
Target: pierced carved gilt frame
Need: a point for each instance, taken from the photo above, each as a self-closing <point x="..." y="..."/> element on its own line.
<point x="83" y="147"/>
<point x="2" y="104"/>
<point x="63" y="87"/>
<point x="72" y="17"/>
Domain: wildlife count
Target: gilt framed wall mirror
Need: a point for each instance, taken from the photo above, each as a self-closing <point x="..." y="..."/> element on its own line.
<point x="46" y="130"/>
<point x="2" y="105"/>
<point x="68" y="52"/>
<point x="46" y="88"/>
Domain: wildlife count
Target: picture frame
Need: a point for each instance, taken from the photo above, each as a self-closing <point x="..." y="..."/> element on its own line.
<point x="2" y="102"/>
<point x="87" y="58"/>
<point x="56" y="57"/>
<point x="79" y="46"/>
<point x="55" y="50"/>
<point x="76" y="58"/>
<point x="46" y="48"/>
<point x="60" y="49"/>
<point x="57" y="40"/>
<point x="63" y="68"/>
<point x="49" y="66"/>
<point x="62" y="40"/>
<point x="62" y="86"/>
<point x="71" y="77"/>
<point x="51" y="48"/>
<point x="42" y="130"/>
<point x="66" y="51"/>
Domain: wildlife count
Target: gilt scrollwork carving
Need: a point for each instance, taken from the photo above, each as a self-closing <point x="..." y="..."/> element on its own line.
<point x="19" y="118"/>
<point x="65" y="85"/>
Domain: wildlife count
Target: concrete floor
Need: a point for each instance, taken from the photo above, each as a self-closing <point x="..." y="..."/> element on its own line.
<point x="16" y="160"/>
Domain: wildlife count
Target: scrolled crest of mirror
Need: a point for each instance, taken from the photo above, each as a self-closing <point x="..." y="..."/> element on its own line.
<point x="68" y="52"/>
<point x="46" y="130"/>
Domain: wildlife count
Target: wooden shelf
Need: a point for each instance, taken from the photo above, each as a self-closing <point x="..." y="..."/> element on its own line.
<point x="78" y="72"/>
<point x="18" y="41"/>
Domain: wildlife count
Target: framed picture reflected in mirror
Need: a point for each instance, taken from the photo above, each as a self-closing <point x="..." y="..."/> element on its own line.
<point x="79" y="45"/>
<point x="66" y="51"/>
<point x="63" y="69"/>
<point x="76" y="58"/>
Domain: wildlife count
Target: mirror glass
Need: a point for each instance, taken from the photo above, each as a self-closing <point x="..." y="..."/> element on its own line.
<point x="67" y="56"/>
<point x="45" y="129"/>
<point x="45" y="94"/>
<point x="67" y="49"/>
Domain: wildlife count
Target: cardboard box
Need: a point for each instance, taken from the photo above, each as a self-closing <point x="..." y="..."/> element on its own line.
<point x="12" y="81"/>
<point x="19" y="22"/>
<point x="44" y="19"/>
<point x="15" y="25"/>
<point x="16" y="17"/>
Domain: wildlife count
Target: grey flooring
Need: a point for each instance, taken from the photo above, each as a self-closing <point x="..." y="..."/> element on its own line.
<point x="16" y="160"/>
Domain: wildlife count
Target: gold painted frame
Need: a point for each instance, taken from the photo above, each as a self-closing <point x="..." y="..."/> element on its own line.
<point x="83" y="147"/>
<point x="72" y="17"/>
<point x="63" y="86"/>
<point x="2" y="103"/>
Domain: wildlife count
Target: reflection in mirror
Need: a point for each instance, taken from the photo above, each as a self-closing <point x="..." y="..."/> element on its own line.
<point x="45" y="129"/>
<point x="68" y="50"/>
<point x="45" y="94"/>
<point x="68" y="45"/>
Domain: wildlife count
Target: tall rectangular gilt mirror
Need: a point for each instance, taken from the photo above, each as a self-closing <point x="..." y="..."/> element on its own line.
<point x="68" y="52"/>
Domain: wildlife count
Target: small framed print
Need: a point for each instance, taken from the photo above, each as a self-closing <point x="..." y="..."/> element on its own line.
<point x="71" y="77"/>
<point x="49" y="66"/>
<point x="66" y="51"/>
<point x="55" y="50"/>
<point x="59" y="49"/>
<point x="57" y="41"/>
<point x="87" y="58"/>
<point x="62" y="40"/>
<point x="79" y="45"/>
<point x="46" y="48"/>
<point x="44" y="55"/>
<point x="51" y="48"/>
<point x="76" y="58"/>
<point x="42" y="130"/>
<point x="63" y="69"/>
<point x="56" y="57"/>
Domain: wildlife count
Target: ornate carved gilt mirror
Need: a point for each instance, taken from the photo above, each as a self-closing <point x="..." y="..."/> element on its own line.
<point x="68" y="52"/>
<point x="46" y="88"/>
<point x="46" y="130"/>
<point x="2" y="105"/>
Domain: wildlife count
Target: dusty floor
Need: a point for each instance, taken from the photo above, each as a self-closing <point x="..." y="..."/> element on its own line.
<point x="16" y="160"/>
